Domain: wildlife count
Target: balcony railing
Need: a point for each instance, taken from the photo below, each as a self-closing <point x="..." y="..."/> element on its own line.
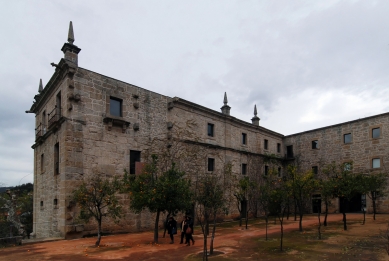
<point x="38" y="131"/>
<point x="54" y="115"/>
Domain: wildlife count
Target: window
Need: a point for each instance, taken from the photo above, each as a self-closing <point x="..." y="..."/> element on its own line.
<point x="244" y="138"/>
<point x="244" y="169"/>
<point x="376" y="163"/>
<point x="115" y="107"/>
<point x="347" y="138"/>
<point x="279" y="147"/>
<point x="210" y="129"/>
<point x="266" y="144"/>
<point x="289" y="151"/>
<point x="315" y="144"/>
<point x="376" y="133"/>
<point x="44" y="122"/>
<point x="56" y="159"/>
<point x="55" y="202"/>
<point x="41" y="203"/>
<point x="211" y="164"/>
<point x="266" y="170"/>
<point x="134" y="157"/>
<point x="347" y="166"/>
<point x="315" y="170"/>
<point x="279" y="172"/>
<point x="42" y="163"/>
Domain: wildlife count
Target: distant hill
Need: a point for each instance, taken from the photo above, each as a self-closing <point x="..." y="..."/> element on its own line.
<point x="28" y="187"/>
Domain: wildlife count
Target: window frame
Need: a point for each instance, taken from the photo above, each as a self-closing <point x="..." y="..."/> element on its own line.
<point x="211" y="164"/>
<point x="315" y="170"/>
<point x="111" y="98"/>
<point x="344" y="138"/>
<point x="379" y="161"/>
<point x="57" y="158"/>
<point x="278" y="147"/>
<point x="315" y="144"/>
<point x="133" y="160"/>
<point x="372" y="132"/>
<point x="244" y="169"/>
<point x="244" y="138"/>
<point x="266" y="144"/>
<point x="266" y="171"/>
<point x="211" y="129"/>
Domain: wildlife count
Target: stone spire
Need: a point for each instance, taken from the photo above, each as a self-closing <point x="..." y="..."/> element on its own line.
<point x="71" y="34"/>
<point x="255" y="119"/>
<point x="40" y="86"/>
<point x="225" y="109"/>
<point x="69" y="49"/>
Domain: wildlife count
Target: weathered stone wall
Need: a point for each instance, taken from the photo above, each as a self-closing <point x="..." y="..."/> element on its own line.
<point x="362" y="149"/>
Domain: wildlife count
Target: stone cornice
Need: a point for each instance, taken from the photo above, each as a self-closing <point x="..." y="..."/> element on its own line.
<point x="61" y="70"/>
<point x="224" y="117"/>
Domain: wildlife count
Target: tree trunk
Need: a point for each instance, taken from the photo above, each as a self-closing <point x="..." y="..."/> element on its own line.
<point x="295" y="211"/>
<point x="205" y="254"/>
<point x="213" y="234"/>
<point x="301" y="221"/>
<point x="282" y="233"/>
<point x="267" y="221"/>
<point x="247" y="218"/>
<point x="287" y="213"/>
<point x="165" y="224"/>
<point x="344" y="221"/>
<point x="240" y="218"/>
<point x="98" y="232"/>
<point x="364" y="216"/>
<point x="326" y="214"/>
<point x="319" y="228"/>
<point x="374" y="208"/>
<point x="156" y="227"/>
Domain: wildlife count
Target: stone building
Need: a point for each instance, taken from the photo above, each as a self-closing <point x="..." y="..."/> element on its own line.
<point x="88" y="123"/>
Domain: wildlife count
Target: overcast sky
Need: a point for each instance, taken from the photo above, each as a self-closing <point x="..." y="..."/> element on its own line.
<point x="305" y="64"/>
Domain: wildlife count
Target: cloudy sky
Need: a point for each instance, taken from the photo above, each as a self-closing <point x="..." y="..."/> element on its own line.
<point x="305" y="64"/>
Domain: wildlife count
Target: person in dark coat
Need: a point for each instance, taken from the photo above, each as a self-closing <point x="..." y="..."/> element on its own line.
<point x="189" y="231"/>
<point x="172" y="228"/>
<point x="183" y="230"/>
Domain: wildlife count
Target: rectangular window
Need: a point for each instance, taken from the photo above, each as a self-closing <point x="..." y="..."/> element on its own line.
<point x="315" y="170"/>
<point x="211" y="164"/>
<point x="42" y="163"/>
<point x="279" y="147"/>
<point x="55" y="202"/>
<point x="134" y="157"/>
<point x="347" y="166"/>
<point x="244" y="138"/>
<point x="43" y="122"/>
<point x="279" y="172"/>
<point x="210" y="129"/>
<point x="376" y="163"/>
<point x="266" y="170"/>
<point x="347" y="138"/>
<point x="315" y="144"/>
<point x="289" y="151"/>
<point x="41" y="203"/>
<point x="56" y="159"/>
<point x="244" y="169"/>
<point x="266" y="144"/>
<point x="115" y="107"/>
<point x="376" y="133"/>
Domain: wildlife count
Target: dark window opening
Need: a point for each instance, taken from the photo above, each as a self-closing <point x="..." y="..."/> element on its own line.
<point x="115" y="107"/>
<point x="279" y="172"/>
<point x="134" y="157"/>
<point x="266" y="170"/>
<point x="315" y="170"/>
<point x="41" y="203"/>
<point x="55" y="202"/>
<point x="347" y="138"/>
<point x="42" y="163"/>
<point x="244" y="169"/>
<point x="278" y="147"/>
<point x="210" y="129"/>
<point x="244" y="138"/>
<point x="315" y="144"/>
<point x="376" y="133"/>
<point x="289" y="151"/>
<point x="266" y="144"/>
<point x="56" y="159"/>
<point x="211" y="164"/>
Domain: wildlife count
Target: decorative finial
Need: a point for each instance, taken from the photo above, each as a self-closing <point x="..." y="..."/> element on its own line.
<point x="255" y="110"/>
<point x="71" y="33"/>
<point x="225" y="98"/>
<point x="40" y="86"/>
<point x="255" y="119"/>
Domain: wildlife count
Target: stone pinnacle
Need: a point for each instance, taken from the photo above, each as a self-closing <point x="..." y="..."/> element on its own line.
<point x="40" y="86"/>
<point x="71" y="33"/>
<point x="225" y="98"/>
<point x="255" y="110"/>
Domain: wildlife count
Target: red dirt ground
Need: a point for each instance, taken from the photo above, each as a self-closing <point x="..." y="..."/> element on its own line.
<point x="138" y="246"/>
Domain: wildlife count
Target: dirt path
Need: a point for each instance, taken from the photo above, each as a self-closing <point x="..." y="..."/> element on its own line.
<point x="138" y="246"/>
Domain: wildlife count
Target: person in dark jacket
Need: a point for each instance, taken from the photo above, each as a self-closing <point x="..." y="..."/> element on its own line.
<point x="172" y="228"/>
<point x="189" y="231"/>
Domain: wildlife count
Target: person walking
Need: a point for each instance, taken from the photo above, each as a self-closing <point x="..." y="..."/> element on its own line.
<point x="189" y="231"/>
<point x="183" y="230"/>
<point x="172" y="228"/>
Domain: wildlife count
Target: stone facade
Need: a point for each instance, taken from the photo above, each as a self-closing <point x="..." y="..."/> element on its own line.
<point x="89" y="124"/>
